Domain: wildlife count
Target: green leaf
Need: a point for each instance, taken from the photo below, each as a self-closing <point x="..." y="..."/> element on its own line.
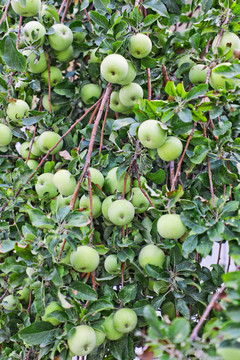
<point x="170" y="89"/>
<point x="10" y="55"/>
<point x="128" y="293"/>
<point x="196" y="91"/>
<point x="185" y="115"/>
<point x="41" y="332"/>
<point x="200" y="152"/>
<point x="120" y="123"/>
<point x="84" y="291"/>
<point x="158" y="177"/>
<point x="179" y="330"/>
<point x="149" y="62"/>
<point x="226" y="176"/>
<point x="189" y="245"/>
<point x="98" y="306"/>
<point x="150" y="19"/>
<point x="33" y="119"/>
<point x="65" y="88"/>
<point x="157" y="6"/>
<point x="101" y="6"/>
<point x="122" y="349"/>
<point x="228" y="71"/>
<point x="76" y="219"/>
<point x="39" y="220"/>
<point x="99" y="19"/>
<point x="152" y="319"/>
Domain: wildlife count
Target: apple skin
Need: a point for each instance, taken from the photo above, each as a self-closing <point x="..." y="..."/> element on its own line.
<point x="140" y="46"/>
<point x="34" y="32"/>
<point x="64" y="182"/>
<point x="115" y="103"/>
<point x="139" y="200"/>
<point x="36" y="151"/>
<point x="112" y="265"/>
<point x="83" y="341"/>
<point x="17" y="110"/>
<point x="151" y="134"/>
<point x="24" y="150"/>
<point x="96" y="178"/>
<point x="62" y="37"/>
<point x="228" y="38"/>
<point x="90" y="93"/>
<point x="10" y="302"/>
<point x="159" y="287"/>
<point x="47" y="140"/>
<point x="198" y="74"/>
<point x="170" y="226"/>
<point x="79" y="36"/>
<point x="45" y="104"/>
<point x="100" y="337"/>
<point x="5" y="135"/>
<point x="229" y="350"/>
<point x="93" y="58"/>
<point x="114" y="68"/>
<point x="53" y="306"/>
<point x="218" y="81"/>
<point x="185" y="59"/>
<point x="111" y="183"/>
<point x="63" y="201"/>
<point x="45" y="185"/>
<point x="24" y="294"/>
<point x="85" y="259"/>
<point x="32" y="164"/>
<point x="105" y="206"/>
<point x="125" y="320"/>
<point x="96" y="205"/>
<point x="66" y="55"/>
<point x="121" y="212"/>
<point x="131" y="74"/>
<point x="152" y="255"/>
<point x="171" y="149"/>
<point x="168" y="308"/>
<point x="55" y="76"/>
<point x="48" y="15"/>
<point x="130" y="94"/>
<point x="112" y="333"/>
<point x="30" y="8"/>
<point x="36" y="65"/>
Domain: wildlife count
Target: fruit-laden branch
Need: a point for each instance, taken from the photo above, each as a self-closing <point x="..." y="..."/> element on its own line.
<point x="91" y="144"/>
<point x="49" y="82"/>
<point x="19" y="31"/>
<point x="31" y="145"/>
<point x="182" y="157"/>
<point x="5" y="12"/>
<point x="48" y="153"/>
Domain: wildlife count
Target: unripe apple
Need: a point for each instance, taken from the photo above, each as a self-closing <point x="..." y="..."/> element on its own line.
<point x="36" y="151"/>
<point x="125" y="320"/>
<point x="53" y="306"/>
<point x="65" y="182"/>
<point x="159" y="287"/>
<point x="62" y="201"/>
<point x="130" y="94"/>
<point x="27" y="9"/>
<point x="34" y="32"/>
<point x="152" y="255"/>
<point x="62" y="37"/>
<point x="17" y="110"/>
<point x="114" y="68"/>
<point x="112" y="333"/>
<point x="32" y="164"/>
<point x="48" y="15"/>
<point x="10" y="302"/>
<point x="171" y="149"/>
<point x="5" y="135"/>
<point x="105" y="206"/>
<point x="218" y="81"/>
<point x="45" y="185"/>
<point x="140" y="46"/>
<point x="97" y="178"/>
<point x="96" y="205"/>
<point x="55" y="76"/>
<point x="90" y="93"/>
<point x="24" y="294"/>
<point x="229" y="41"/>
<point x="83" y="341"/>
<point x="93" y="58"/>
<point x="36" y="64"/>
<point x="185" y="59"/>
<point x="170" y="226"/>
<point x="131" y="74"/>
<point x="139" y="200"/>
<point x="47" y="140"/>
<point x="79" y="36"/>
<point x="151" y="134"/>
<point x="65" y="55"/>
<point x="115" y="103"/>
<point x="121" y="212"/>
<point x="24" y="150"/>
<point x="112" y="265"/>
<point x="113" y="183"/>
<point x="85" y="259"/>
<point x="229" y="350"/>
<point x="168" y="308"/>
<point x="45" y="104"/>
<point x="100" y="334"/>
<point x="198" y="74"/>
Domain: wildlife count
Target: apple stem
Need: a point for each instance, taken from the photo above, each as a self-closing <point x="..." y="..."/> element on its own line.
<point x="149" y="84"/>
<point x="19" y="31"/>
<point x="103" y="127"/>
<point x="5" y="12"/>
<point x="65" y="11"/>
<point x="31" y="144"/>
<point x="88" y="17"/>
<point x="49" y="83"/>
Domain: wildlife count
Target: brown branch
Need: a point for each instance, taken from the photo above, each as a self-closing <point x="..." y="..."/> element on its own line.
<point x="94" y="284"/>
<point x="65" y="11"/>
<point x="140" y="187"/>
<point x="219" y="252"/>
<point x="165" y="75"/>
<point x="172" y="175"/>
<point x="49" y="83"/>
<point x="91" y="203"/>
<point x="61" y="250"/>
<point x="103" y="127"/>
<point x="61" y="7"/>
<point x="4" y="294"/>
<point x="5" y="12"/>
<point x="28" y="354"/>
<point x="210" y="181"/>
<point x="88" y="17"/>
<point x="19" y="31"/>
<point x="31" y="145"/>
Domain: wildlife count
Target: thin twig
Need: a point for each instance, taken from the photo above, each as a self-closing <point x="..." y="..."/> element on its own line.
<point x="5" y="12"/>
<point x="61" y="250"/>
<point x="65" y="11"/>
<point x="172" y="174"/>
<point x="88" y="17"/>
<point x="19" y="31"/>
<point x="61" y="7"/>
<point x="91" y="204"/>
<point x="103" y="127"/>
<point x="219" y="252"/>
<point x="4" y="294"/>
<point x="165" y="75"/>
<point x="29" y="353"/>
<point x="149" y="84"/>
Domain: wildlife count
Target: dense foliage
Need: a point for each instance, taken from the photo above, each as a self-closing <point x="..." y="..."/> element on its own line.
<point x="44" y="229"/>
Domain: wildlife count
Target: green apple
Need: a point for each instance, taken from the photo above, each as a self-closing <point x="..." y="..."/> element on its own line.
<point x="61" y="38"/>
<point x="36" y="63"/>
<point x="170" y="226"/>
<point x="121" y="212"/>
<point x="96" y="205"/>
<point x="198" y="74"/>
<point x="62" y="201"/>
<point x="159" y="287"/>
<point x="79" y="36"/>
<point x="218" y="81"/>
<point x="100" y="334"/>
<point x="105" y="206"/>
<point x="115" y="103"/>
<point x="143" y="181"/>
<point x="130" y="94"/>
<point x="151" y="134"/>
<point x="93" y="58"/>
<point x="45" y="185"/>
<point x="140" y="46"/>
<point x="125" y="320"/>
<point x="229" y="41"/>
<point x="47" y="140"/>
<point x="55" y="76"/>
<point x="5" y="135"/>
<point x="32" y="164"/>
<point x="65" y="55"/>
<point x="17" y="109"/>
<point x="64" y="182"/>
<point x="113" y="182"/>
<point x="114" y="68"/>
<point x="139" y="200"/>
<point x="34" y="32"/>
<point x="10" y="302"/>
<point x="131" y="74"/>
<point x="53" y="306"/>
<point x="97" y="178"/>
<point x="171" y="149"/>
<point x="229" y="350"/>
<point x="24" y="150"/>
<point x="85" y="259"/>
<point x="185" y="59"/>
<point x="45" y="104"/>
<point x="90" y="93"/>
<point x="36" y="151"/>
<point x="27" y="8"/>
<point x="83" y="341"/>
<point x="48" y="15"/>
<point x="112" y="265"/>
<point x="112" y="333"/>
<point x="152" y="255"/>
<point x="236" y="192"/>
<point x="168" y="308"/>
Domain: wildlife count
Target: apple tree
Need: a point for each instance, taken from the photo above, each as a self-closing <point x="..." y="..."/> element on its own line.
<point x="119" y="175"/>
